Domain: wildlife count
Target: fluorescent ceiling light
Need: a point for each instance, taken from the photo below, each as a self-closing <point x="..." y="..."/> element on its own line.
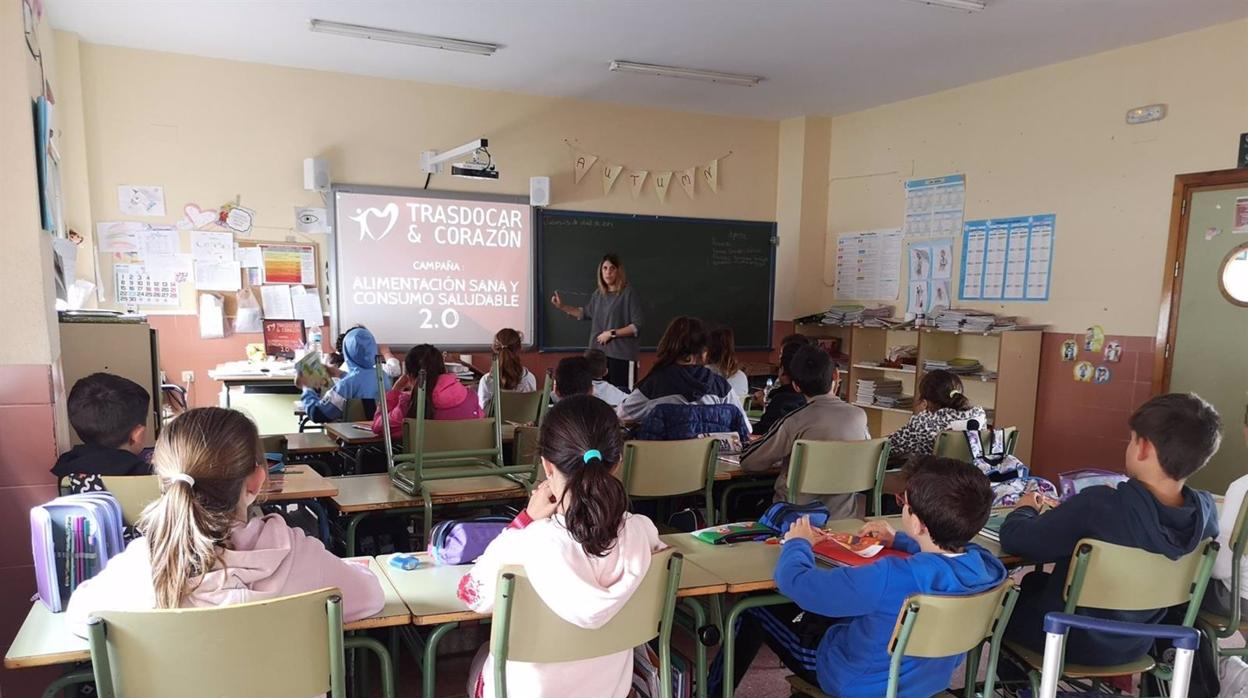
<point x="686" y="73"/>
<point x="395" y="36"/>
<point x="964" y="5"/>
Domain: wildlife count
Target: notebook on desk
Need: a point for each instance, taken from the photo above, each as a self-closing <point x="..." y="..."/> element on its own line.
<point x="992" y="529"/>
<point x="830" y="552"/>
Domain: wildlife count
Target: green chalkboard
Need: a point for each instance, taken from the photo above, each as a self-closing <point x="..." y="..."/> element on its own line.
<point x="720" y="271"/>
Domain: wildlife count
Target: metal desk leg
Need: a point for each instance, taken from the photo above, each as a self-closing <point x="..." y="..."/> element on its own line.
<point x="64" y="682"/>
<point x="429" y="648"/>
<point x="353" y="524"/>
<point x="322" y="518"/>
<point x="699" y="620"/>
<point x="730" y="631"/>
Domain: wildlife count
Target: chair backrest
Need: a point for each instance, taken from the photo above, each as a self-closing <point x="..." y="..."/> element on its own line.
<point x="673" y="422"/>
<point x="218" y="651"/>
<point x="360" y="410"/>
<point x="952" y="444"/>
<point x="520" y="408"/>
<point x="439" y="437"/>
<point x="133" y="492"/>
<point x="274" y="443"/>
<point x="836" y="467"/>
<point x="525" y="443"/>
<point x="668" y="468"/>
<point x="1108" y="576"/>
<point x="526" y="630"/>
<point x="943" y="626"/>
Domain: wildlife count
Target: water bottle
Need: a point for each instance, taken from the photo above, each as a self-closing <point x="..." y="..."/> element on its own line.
<point x="316" y="342"/>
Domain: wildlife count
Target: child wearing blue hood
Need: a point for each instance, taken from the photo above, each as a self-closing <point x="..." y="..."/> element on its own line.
<point x="359" y="353"/>
<point x="837" y="633"/>
<point x="1172" y="436"/>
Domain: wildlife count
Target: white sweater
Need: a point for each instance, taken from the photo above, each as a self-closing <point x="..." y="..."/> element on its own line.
<point x="1226" y="523"/>
<point x="583" y="590"/>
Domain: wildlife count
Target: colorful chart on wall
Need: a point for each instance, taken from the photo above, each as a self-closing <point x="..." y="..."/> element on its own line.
<point x="1008" y="259"/>
<point x="868" y="265"/>
<point x="935" y="206"/>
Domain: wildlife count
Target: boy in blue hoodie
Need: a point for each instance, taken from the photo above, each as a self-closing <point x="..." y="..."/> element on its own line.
<point x="1172" y="436"/>
<point x="359" y="353"/>
<point x="837" y="632"/>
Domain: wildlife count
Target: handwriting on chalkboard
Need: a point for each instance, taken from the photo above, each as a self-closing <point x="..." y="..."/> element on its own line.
<point x="556" y="221"/>
<point x="726" y="253"/>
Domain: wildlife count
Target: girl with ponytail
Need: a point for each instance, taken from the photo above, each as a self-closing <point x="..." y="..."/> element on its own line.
<point x="943" y="403"/>
<point x="512" y="375"/>
<point x="583" y="552"/>
<point x="199" y="547"/>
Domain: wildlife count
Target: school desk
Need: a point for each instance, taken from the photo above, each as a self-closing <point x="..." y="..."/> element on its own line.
<point x="310" y="443"/>
<point x="241" y="375"/>
<point x="729" y="477"/>
<point x="356" y="437"/>
<point x="302" y="485"/>
<point x="360" y="496"/>
<point x="45" y="638"/>
<point x="430" y="593"/>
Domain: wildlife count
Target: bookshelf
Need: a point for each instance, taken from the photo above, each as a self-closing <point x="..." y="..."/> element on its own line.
<point x="1009" y="398"/>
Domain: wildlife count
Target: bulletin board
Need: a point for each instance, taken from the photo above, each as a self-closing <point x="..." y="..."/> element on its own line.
<point x="123" y="251"/>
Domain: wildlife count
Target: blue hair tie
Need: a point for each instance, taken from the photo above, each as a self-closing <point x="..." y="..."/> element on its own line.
<point x="591" y="454"/>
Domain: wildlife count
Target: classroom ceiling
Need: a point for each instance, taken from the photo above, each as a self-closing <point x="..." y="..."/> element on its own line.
<point x="818" y="56"/>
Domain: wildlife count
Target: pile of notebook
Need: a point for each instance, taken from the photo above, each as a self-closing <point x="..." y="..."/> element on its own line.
<point x="646" y="683"/>
<point x="964" y="320"/>
<point x="896" y="402"/>
<point x="849" y="314"/>
<point x="962" y="367"/>
<point x="870" y="390"/>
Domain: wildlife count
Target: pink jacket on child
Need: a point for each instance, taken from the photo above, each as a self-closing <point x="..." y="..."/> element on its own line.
<point x="269" y="559"/>
<point x="451" y="400"/>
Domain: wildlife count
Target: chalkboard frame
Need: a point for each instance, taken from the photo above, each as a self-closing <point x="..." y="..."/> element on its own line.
<point x="542" y="306"/>
<point x="332" y="292"/>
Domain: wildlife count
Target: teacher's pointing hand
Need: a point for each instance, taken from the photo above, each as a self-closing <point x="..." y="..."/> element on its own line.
<point x="556" y="301"/>
<point x="605" y="337"/>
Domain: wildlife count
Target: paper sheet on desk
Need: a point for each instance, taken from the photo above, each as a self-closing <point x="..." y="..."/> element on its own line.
<point x="276" y="302"/>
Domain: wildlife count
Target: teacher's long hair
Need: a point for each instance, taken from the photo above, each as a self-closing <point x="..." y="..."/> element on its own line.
<point x="620" y="277"/>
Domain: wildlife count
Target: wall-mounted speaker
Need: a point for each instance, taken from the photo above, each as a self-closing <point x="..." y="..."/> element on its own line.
<point x="539" y="191"/>
<point x="316" y="174"/>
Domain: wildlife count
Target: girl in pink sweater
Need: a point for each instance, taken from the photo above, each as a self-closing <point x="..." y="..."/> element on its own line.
<point x="445" y="396"/>
<point x="583" y="552"/>
<point x="212" y="468"/>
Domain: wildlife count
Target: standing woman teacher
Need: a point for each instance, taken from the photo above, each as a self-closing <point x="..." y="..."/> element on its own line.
<point x="614" y="313"/>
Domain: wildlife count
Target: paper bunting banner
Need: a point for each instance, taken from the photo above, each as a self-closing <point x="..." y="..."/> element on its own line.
<point x="687" y="178"/>
<point x="711" y="174"/>
<point x="581" y="164"/>
<point x="610" y="173"/>
<point x="638" y="180"/>
<point x="662" y="181"/>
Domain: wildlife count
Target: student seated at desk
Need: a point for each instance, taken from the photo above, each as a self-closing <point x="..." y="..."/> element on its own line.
<point x="584" y="554"/>
<point x="1172" y="436"/>
<point x="359" y="351"/>
<point x="943" y="404"/>
<point x="1218" y="596"/>
<point x="445" y="396"/>
<point x="822" y="417"/>
<point x="783" y="399"/>
<point x="511" y="373"/>
<point x="677" y="378"/>
<point x="109" y="413"/>
<point x="603" y="389"/>
<point x="836" y="632"/>
<point x="572" y="377"/>
<point x="211" y="467"/>
<point x="721" y="357"/>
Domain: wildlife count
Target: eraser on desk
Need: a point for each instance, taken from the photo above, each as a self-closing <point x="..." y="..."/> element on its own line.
<point x="407" y="561"/>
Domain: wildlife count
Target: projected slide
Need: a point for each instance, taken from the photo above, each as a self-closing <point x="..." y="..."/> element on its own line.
<point x="416" y="268"/>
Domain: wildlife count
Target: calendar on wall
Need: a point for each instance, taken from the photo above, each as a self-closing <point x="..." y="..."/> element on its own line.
<point x="135" y="286"/>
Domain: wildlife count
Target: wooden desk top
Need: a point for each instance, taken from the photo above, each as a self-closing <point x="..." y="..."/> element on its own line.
<point x="744" y="567"/>
<point x="353" y="433"/>
<point x="45" y="638"/>
<point x="357" y="493"/>
<point x="430" y="590"/>
<point x="299" y="482"/>
<point x="309" y="443"/>
<point x="272" y="377"/>
<point x="731" y="470"/>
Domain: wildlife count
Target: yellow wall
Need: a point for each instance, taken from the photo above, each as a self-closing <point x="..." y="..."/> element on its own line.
<point x="1054" y="140"/>
<point x="208" y="130"/>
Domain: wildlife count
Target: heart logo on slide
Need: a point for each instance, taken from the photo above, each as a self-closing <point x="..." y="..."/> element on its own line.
<point x="198" y="217"/>
<point x="390" y="214"/>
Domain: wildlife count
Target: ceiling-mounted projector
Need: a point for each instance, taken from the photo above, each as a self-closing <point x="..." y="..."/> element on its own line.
<point x="479" y="166"/>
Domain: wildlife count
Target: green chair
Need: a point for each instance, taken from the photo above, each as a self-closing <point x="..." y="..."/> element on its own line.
<point x="133" y="492"/>
<point x="521" y="408"/>
<point x="524" y="629"/>
<point x="451" y="461"/>
<point x="653" y="469"/>
<point x="525" y="445"/>
<point x="1223" y="627"/>
<point x="217" y="652"/>
<point x="952" y="444"/>
<point x="1107" y="576"/>
<point x="820" y="468"/>
<point x="944" y="626"/>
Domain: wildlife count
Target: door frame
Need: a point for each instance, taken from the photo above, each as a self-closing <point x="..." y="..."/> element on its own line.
<point x="1176" y="251"/>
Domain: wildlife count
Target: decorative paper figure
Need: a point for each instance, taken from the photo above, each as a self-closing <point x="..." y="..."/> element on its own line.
<point x="1083" y="372"/>
<point x="1094" y="339"/>
<point x="638" y="179"/>
<point x="687" y="180"/>
<point x="581" y="164"/>
<point x="662" y="181"/>
<point x="1070" y="350"/>
<point x="610" y="173"/>
<point x="1113" y="351"/>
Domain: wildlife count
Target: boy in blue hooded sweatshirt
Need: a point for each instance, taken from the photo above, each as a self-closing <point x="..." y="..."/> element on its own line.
<point x="837" y="633"/>
<point x="359" y="353"/>
<point x="1172" y="436"/>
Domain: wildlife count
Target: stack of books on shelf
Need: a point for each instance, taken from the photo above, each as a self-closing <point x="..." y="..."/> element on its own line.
<point x="962" y="367"/>
<point x="896" y="402"/>
<point x="848" y="315"/>
<point x="871" y="389"/>
<point x="963" y="320"/>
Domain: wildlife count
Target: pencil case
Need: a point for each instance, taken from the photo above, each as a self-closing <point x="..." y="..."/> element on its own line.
<point x="781" y="515"/>
<point x="461" y="541"/>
